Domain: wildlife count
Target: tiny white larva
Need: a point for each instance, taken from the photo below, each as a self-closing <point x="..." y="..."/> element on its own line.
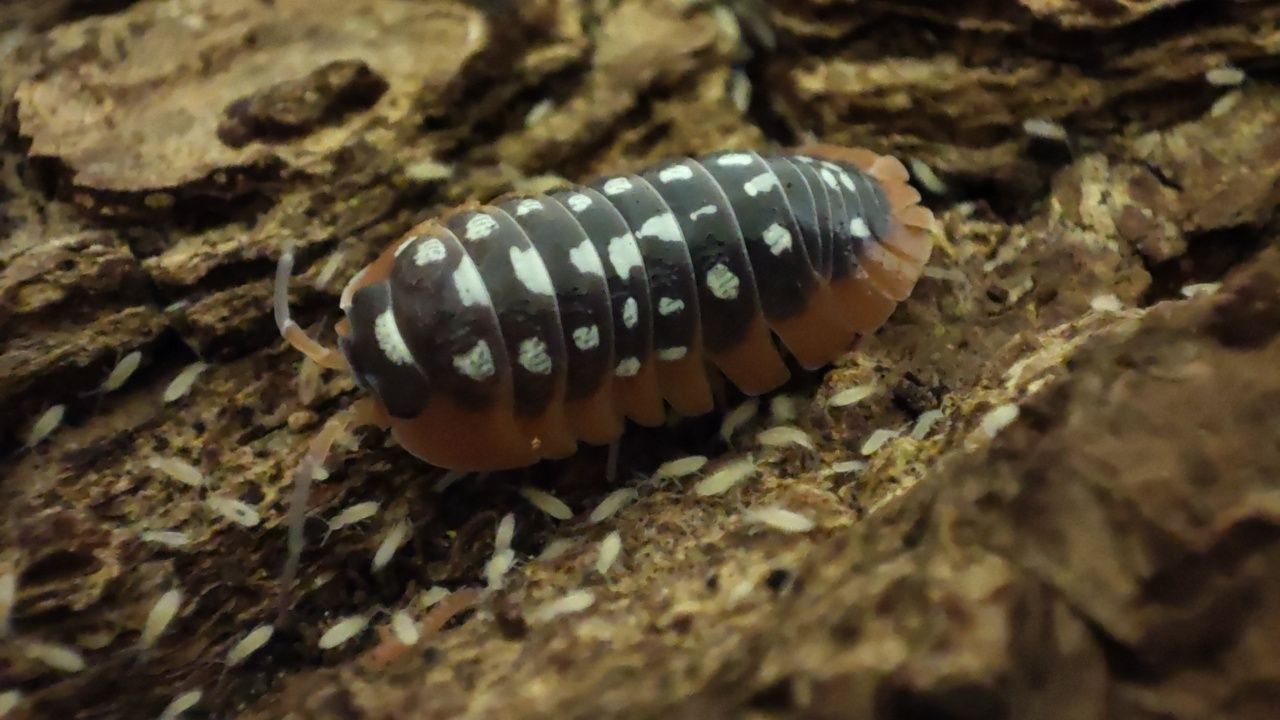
<point x="62" y="658"/>
<point x="610" y="548"/>
<point x="121" y="373"/>
<point x="162" y="613"/>
<point x="612" y="503"/>
<point x="877" y="439"/>
<point x="781" y="435"/>
<point x="342" y="631"/>
<point x="547" y="503"/>
<point x="168" y="538"/>
<point x="180" y="470"/>
<point x="183" y="382"/>
<point x="679" y="468"/>
<point x="726" y="477"/>
<point x="505" y="533"/>
<point x="249" y="644"/>
<point x="45" y="425"/>
<point x="404" y="628"/>
<point x="355" y="513"/>
<point x="575" y="601"/>
<point x="392" y="542"/>
<point x="236" y="511"/>
<point x="181" y="704"/>
<point x="852" y="395"/>
<point x="737" y="417"/>
<point x="495" y="570"/>
<point x="779" y="518"/>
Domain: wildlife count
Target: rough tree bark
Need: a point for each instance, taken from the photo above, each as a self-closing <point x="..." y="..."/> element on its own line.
<point x="1077" y="518"/>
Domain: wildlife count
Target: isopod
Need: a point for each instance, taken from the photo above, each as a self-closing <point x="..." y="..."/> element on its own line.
<point x="501" y="334"/>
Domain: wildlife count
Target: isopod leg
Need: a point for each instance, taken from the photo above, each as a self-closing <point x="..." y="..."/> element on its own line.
<point x="611" y="463"/>
<point x="363" y="413"/>
<point x="290" y="330"/>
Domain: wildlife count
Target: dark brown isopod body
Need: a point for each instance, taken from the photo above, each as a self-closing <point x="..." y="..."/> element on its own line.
<point x="503" y="334"/>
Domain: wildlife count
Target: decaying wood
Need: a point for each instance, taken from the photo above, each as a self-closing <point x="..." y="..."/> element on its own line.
<point x="1088" y="530"/>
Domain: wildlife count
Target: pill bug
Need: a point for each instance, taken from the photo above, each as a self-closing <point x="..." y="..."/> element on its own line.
<point x="501" y="334"/>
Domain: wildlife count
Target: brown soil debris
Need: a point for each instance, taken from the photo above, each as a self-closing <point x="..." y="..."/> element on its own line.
<point x="1056" y="496"/>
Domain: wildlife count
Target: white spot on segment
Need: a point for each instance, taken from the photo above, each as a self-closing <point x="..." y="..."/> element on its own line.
<point x="617" y="186"/>
<point x="777" y="238"/>
<point x="704" y="210"/>
<point x="578" y="202"/>
<point x="663" y="227"/>
<point x="669" y="306"/>
<point x="534" y="357"/>
<point x="630" y="312"/>
<point x="858" y="228"/>
<point x="469" y="284"/>
<point x="735" y="159"/>
<point x="672" y="353"/>
<point x="624" y="255"/>
<point x="429" y="251"/>
<point x="586" y="338"/>
<point x="628" y="367"/>
<point x="722" y="282"/>
<point x="526" y="206"/>
<point x="531" y="272"/>
<point x="760" y="184"/>
<point x="390" y="341"/>
<point x="829" y="178"/>
<point x="847" y="182"/>
<point x="480" y="226"/>
<point x="586" y="259"/>
<point x="476" y="363"/>
<point x="674" y="173"/>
